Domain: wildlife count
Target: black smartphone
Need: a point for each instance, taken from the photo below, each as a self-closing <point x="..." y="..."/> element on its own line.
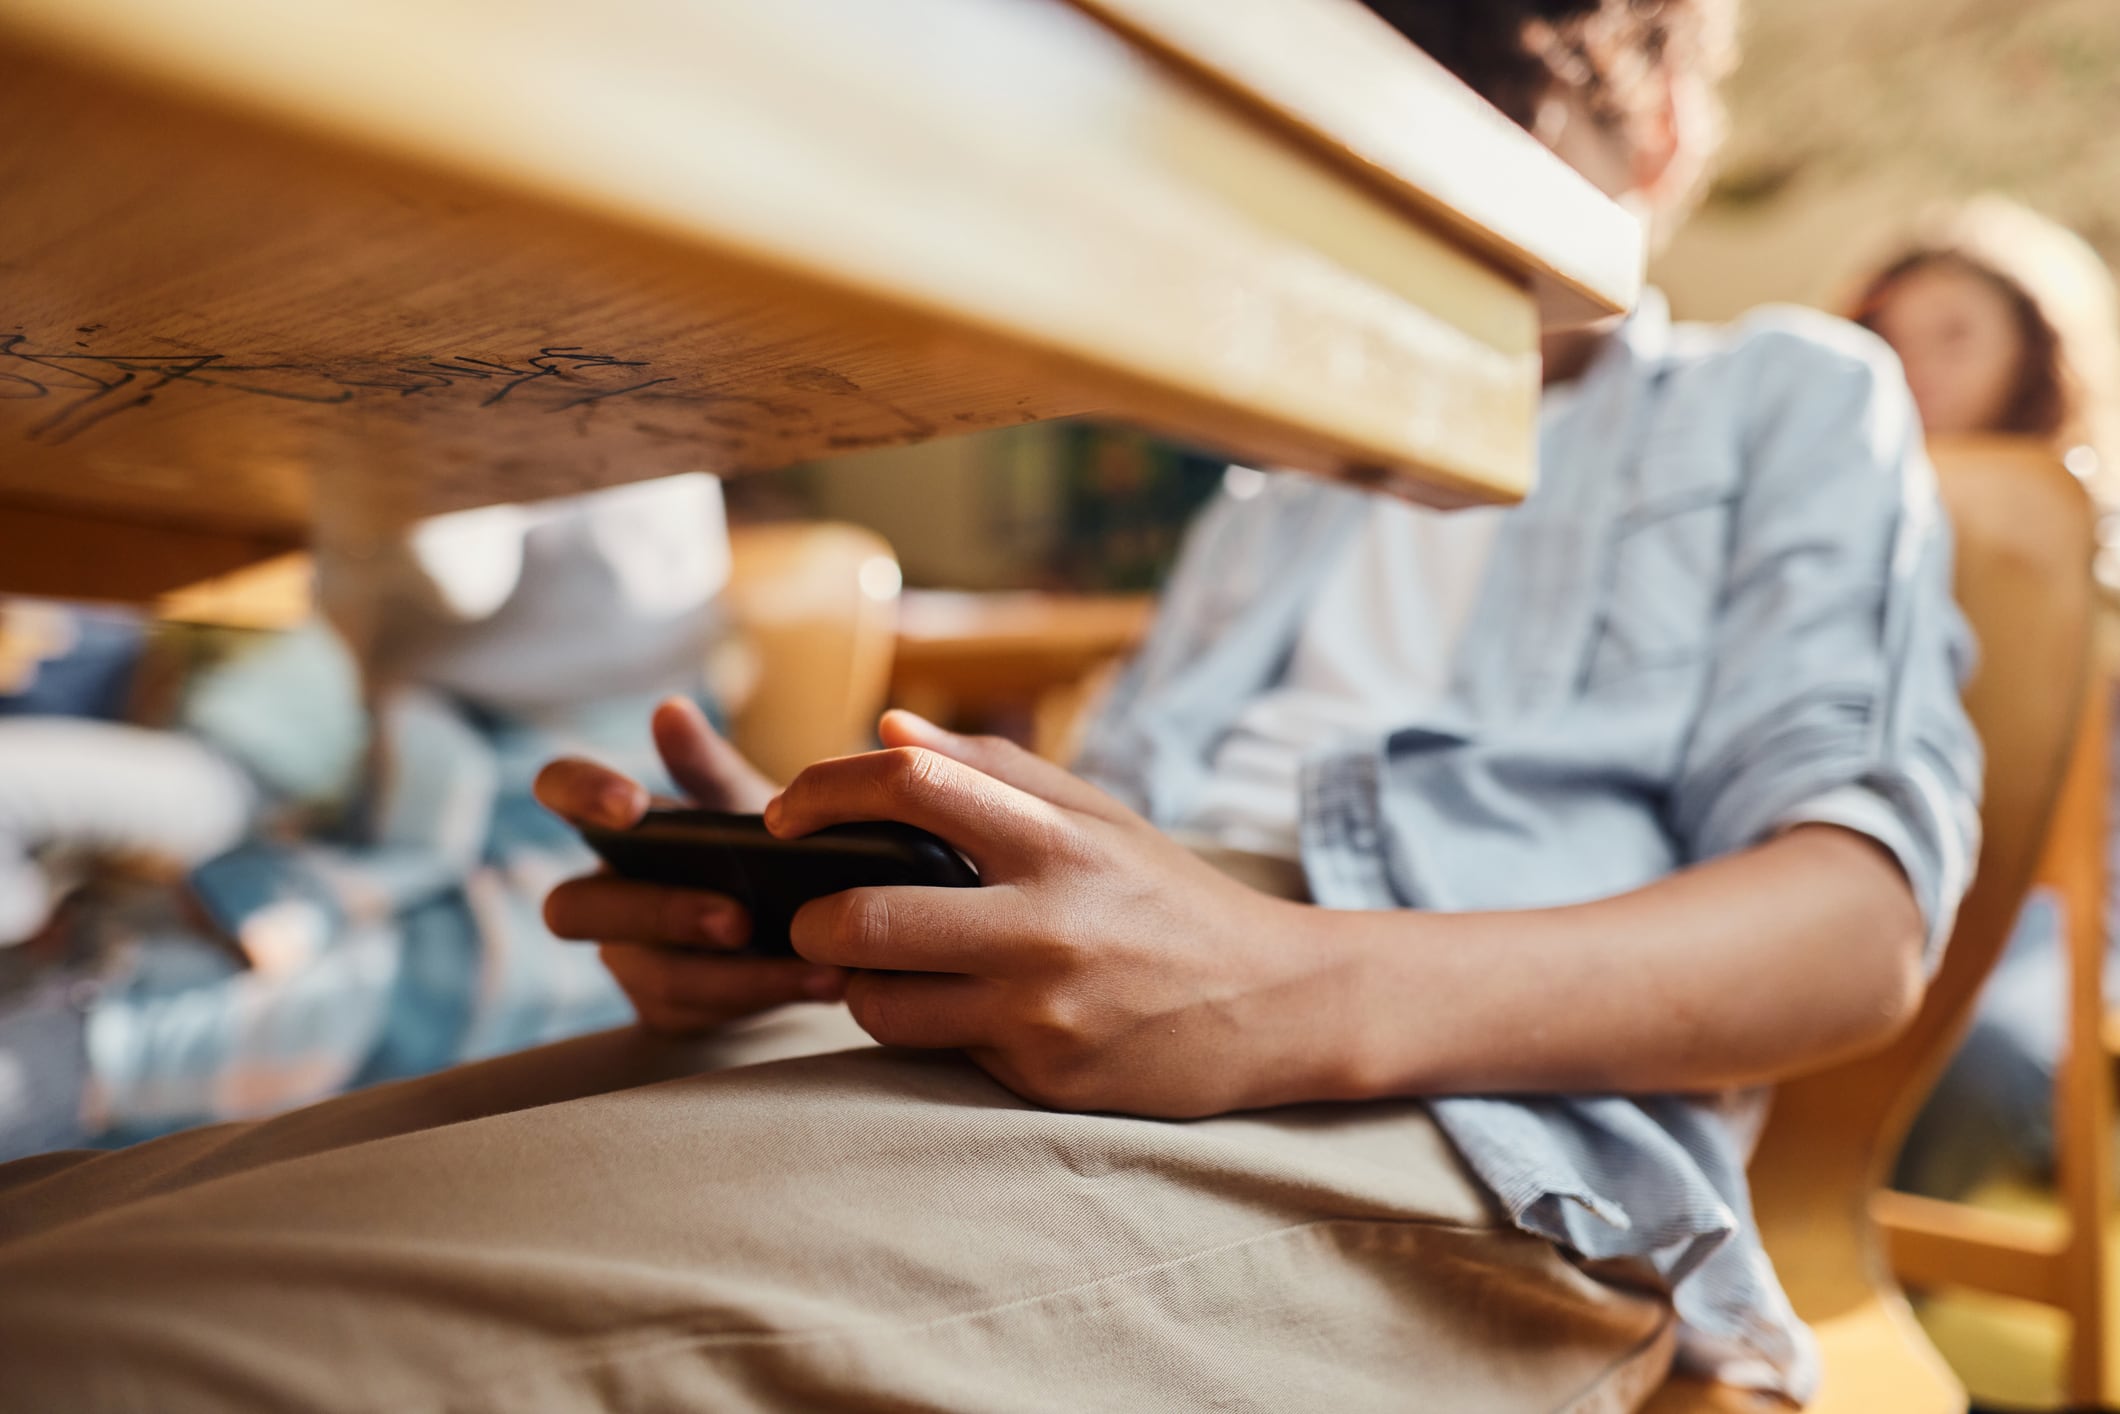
<point x="772" y="878"/>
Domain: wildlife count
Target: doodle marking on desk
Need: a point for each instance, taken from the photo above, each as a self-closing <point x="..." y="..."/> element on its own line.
<point x="91" y="388"/>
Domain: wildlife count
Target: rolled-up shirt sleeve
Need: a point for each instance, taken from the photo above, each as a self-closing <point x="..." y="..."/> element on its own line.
<point x="1840" y="653"/>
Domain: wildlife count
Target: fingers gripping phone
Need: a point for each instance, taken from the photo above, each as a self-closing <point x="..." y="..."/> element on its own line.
<point x="734" y="855"/>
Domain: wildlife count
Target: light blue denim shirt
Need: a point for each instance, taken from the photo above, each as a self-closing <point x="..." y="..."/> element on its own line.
<point x="1728" y="600"/>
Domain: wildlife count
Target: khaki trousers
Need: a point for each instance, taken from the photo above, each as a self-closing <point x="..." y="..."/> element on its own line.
<point x="745" y="1223"/>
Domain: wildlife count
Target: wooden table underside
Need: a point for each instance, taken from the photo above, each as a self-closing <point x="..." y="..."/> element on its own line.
<point x="276" y="273"/>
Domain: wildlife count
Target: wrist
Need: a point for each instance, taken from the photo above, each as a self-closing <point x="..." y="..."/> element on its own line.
<point x="1377" y="1025"/>
<point x="1346" y="1020"/>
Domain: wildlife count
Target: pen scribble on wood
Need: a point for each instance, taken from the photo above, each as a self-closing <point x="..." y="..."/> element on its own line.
<point x="84" y="389"/>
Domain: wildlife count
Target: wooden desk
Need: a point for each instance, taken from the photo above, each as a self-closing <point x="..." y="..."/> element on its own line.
<point x="272" y="272"/>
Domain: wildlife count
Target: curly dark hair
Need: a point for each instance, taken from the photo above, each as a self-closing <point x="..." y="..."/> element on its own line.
<point x="1514" y="53"/>
<point x="2042" y="402"/>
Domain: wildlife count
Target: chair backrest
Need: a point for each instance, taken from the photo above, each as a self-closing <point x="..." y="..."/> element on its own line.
<point x="814" y="607"/>
<point x="2024" y="530"/>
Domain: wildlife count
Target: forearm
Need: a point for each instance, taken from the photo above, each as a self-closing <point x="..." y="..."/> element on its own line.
<point x="1744" y="970"/>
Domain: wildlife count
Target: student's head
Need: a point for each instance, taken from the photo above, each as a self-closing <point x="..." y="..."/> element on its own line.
<point x="1624" y="90"/>
<point x="2006" y="323"/>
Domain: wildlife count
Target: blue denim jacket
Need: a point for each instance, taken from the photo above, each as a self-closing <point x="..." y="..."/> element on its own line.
<point x="1728" y="598"/>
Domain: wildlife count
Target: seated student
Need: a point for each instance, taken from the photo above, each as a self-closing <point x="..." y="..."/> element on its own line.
<point x="382" y="919"/>
<point x="2008" y="324"/>
<point x="87" y="804"/>
<point x="1612" y="809"/>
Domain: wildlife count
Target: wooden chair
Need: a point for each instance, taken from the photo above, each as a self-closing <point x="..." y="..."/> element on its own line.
<point x="814" y="607"/>
<point x="2062" y="1264"/>
<point x="2024" y="530"/>
<point x="2076" y="869"/>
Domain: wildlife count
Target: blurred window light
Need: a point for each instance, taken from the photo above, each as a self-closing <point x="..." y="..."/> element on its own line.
<point x="474" y="558"/>
<point x="881" y="578"/>
<point x="666" y="540"/>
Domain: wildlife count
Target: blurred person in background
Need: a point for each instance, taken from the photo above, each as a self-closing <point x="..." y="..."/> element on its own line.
<point x="95" y="813"/>
<point x="2008" y="325"/>
<point x="354" y="863"/>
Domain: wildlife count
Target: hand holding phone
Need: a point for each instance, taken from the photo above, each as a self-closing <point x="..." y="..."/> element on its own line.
<point x="736" y="856"/>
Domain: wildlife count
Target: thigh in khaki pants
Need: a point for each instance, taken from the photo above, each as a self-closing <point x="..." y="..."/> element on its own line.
<point x="620" y="1223"/>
